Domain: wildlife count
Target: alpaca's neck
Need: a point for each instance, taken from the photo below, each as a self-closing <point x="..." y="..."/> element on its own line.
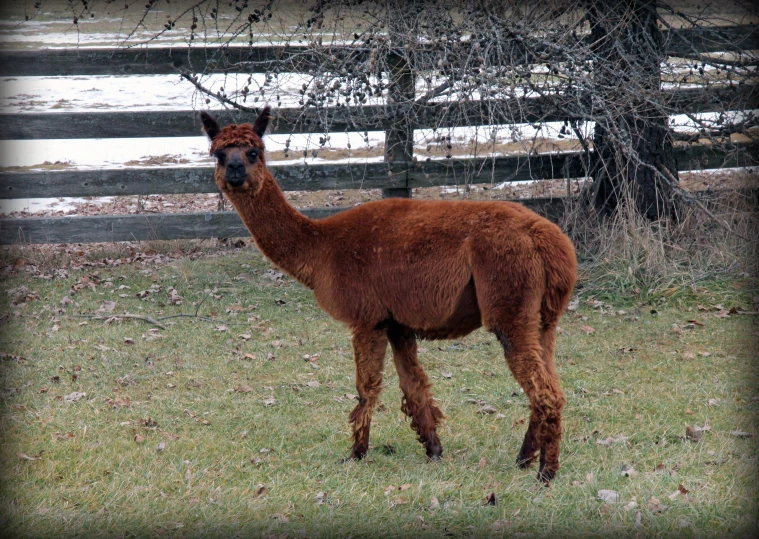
<point x="287" y="237"/>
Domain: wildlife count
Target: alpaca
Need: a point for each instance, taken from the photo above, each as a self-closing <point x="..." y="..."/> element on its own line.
<point x="395" y="270"/>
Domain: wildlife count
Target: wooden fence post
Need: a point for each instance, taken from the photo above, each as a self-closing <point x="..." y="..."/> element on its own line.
<point x="399" y="138"/>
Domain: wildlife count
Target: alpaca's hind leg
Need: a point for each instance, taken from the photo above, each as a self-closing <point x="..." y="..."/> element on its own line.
<point x="530" y="447"/>
<point x="524" y="356"/>
<point x="417" y="403"/>
<point x="369" y="348"/>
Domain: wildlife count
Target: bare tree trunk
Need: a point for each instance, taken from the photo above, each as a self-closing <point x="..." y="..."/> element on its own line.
<point x="399" y="138"/>
<point x="631" y="139"/>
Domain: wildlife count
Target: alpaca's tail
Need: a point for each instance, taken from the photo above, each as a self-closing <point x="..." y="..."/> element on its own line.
<point x="560" y="261"/>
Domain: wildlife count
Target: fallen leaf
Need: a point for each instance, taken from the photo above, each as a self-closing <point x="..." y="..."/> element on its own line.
<point x="490" y="499"/>
<point x="405" y="486"/>
<point x="608" y="496"/>
<point x="629" y="472"/>
<point x="269" y="401"/>
<point x="631" y="505"/>
<point x="712" y="402"/>
<point x="249" y="356"/>
<point x="261" y="490"/>
<point x="107" y="307"/>
<point x="24" y="456"/>
<point x="281" y="518"/>
<point x="119" y="403"/>
<point x="445" y="374"/>
<point x="434" y="503"/>
<point x="389" y="489"/>
<point x="656" y="506"/>
<point x="587" y="329"/>
<point x="483" y="462"/>
<point x="245" y="336"/>
<point x="75" y="396"/>
<point x="128" y="340"/>
<point x="487" y="409"/>
<point x="139" y="438"/>
<point x="312" y="383"/>
<point x="160" y="447"/>
<point x="243" y="389"/>
<point x="740" y="434"/>
<point x="682" y="489"/>
<point x="694" y="433"/>
<point x="612" y="440"/>
<point x="397" y="501"/>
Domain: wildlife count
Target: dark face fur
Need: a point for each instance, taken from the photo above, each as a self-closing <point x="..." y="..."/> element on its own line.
<point x="239" y="152"/>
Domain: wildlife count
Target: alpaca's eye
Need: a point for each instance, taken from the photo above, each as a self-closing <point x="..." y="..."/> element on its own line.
<point x="220" y="155"/>
<point x="252" y="155"/>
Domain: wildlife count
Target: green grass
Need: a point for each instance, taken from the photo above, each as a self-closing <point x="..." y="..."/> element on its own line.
<point x="636" y="375"/>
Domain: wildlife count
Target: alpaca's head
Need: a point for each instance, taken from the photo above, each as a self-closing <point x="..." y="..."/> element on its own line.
<point x="239" y="152"/>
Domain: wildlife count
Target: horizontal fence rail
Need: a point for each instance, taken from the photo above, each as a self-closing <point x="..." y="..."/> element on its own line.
<point x="147" y="226"/>
<point x="548" y="108"/>
<point x="167" y="226"/>
<point x="300" y="177"/>
<point x="681" y="42"/>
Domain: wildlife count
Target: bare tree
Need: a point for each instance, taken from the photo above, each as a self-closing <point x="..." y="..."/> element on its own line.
<point x="615" y="74"/>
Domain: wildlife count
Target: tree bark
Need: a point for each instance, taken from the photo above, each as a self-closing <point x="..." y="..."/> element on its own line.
<point x="631" y="140"/>
<point x="399" y="138"/>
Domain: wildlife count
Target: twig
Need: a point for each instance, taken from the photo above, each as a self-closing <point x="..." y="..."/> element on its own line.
<point x="193" y="80"/>
<point x="146" y="318"/>
<point x="204" y="318"/>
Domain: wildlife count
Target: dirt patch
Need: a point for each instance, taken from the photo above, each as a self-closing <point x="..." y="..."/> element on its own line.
<point x="154" y="160"/>
<point x="45" y="165"/>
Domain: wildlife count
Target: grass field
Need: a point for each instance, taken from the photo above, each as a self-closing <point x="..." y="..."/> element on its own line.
<point x="234" y="421"/>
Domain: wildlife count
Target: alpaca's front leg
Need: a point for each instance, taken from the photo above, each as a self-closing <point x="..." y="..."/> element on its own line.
<point x="418" y="403"/>
<point x="369" y="354"/>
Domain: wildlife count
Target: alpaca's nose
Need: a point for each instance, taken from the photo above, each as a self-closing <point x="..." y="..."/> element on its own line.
<point x="236" y="172"/>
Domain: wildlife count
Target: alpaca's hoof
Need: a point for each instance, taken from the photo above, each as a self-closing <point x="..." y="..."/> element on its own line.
<point x="546" y="476"/>
<point x="354" y="456"/>
<point x="435" y="452"/>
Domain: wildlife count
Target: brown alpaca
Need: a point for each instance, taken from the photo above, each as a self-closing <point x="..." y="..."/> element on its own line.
<point x="397" y="270"/>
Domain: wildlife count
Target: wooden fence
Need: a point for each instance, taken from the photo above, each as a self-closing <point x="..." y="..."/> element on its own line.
<point x="396" y="175"/>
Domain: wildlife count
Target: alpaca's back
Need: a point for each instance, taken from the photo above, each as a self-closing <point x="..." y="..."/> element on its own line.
<point x="420" y="262"/>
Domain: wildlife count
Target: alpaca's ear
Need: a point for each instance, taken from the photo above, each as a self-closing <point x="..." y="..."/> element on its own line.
<point x="259" y="126"/>
<point x="210" y="126"/>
